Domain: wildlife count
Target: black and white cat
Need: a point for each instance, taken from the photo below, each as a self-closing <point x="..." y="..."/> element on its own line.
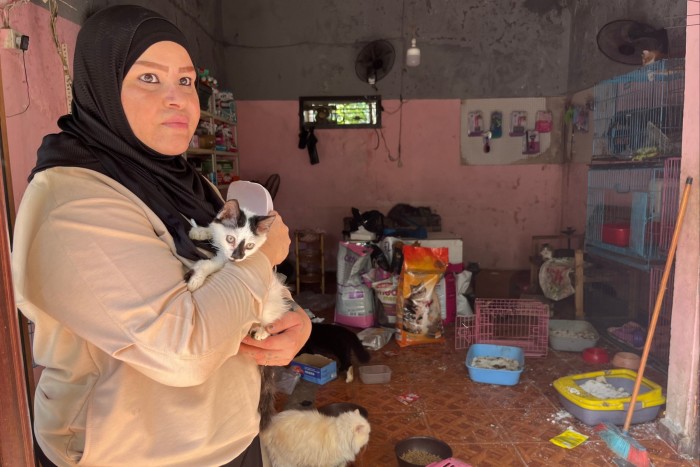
<point x="421" y="311"/>
<point x="236" y="234"/>
<point x="337" y="341"/>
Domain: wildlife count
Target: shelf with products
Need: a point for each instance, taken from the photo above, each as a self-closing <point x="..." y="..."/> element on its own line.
<point x="214" y="149"/>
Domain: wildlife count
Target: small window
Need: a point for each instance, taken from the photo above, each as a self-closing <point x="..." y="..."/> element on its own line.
<point x="340" y="112"/>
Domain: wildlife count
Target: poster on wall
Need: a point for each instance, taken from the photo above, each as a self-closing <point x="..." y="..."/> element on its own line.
<point x="519" y="142"/>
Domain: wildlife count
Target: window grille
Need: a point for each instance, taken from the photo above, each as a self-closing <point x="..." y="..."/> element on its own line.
<point x="340" y="112"/>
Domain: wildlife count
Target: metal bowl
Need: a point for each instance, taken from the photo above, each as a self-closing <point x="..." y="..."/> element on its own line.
<point x="336" y="408"/>
<point x="427" y="444"/>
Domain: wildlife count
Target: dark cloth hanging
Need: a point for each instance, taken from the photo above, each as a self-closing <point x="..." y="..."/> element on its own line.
<point x="308" y="140"/>
<point x="97" y="134"/>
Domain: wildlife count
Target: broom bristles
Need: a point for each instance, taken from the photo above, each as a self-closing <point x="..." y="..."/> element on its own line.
<point x="623" y="445"/>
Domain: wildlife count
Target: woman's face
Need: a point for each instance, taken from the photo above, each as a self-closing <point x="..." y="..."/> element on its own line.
<point x="160" y="100"/>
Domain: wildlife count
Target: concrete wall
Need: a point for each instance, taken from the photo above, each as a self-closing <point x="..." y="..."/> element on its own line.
<point x="198" y="19"/>
<point x="281" y="50"/>
<point x="587" y="65"/>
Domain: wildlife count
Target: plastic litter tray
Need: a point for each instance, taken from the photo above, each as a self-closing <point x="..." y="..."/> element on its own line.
<point x="592" y="410"/>
<point x="572" y="335"/>
<point x="375" y="374"/>
<point x="495" y="376"/>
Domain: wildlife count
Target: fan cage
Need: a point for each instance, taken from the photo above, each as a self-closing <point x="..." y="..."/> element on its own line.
<point x="639" y="115"/>
<point x="375" y="61"/>
<point x="511" y="322"/>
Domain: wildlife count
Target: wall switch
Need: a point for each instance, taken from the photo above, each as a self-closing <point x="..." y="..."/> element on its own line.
<point x="8" y="38"/>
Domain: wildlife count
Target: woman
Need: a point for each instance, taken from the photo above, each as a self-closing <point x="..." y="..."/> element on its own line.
<point x="138" y="370"/>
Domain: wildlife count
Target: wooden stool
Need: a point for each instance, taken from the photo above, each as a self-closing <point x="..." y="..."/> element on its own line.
<point x="310" y="267"/>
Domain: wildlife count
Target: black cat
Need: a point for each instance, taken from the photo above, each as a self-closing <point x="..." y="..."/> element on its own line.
<point x="336" y="341"/>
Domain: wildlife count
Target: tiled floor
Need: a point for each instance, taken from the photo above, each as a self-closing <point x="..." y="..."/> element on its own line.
<point x="486" y="425"/>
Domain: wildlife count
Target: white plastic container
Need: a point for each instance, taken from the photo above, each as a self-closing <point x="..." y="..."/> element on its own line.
<point x="375" y="374"/>
<point x="571" y="335"/>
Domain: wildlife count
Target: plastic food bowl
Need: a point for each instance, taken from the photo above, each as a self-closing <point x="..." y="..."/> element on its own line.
<point x="492" y="375"/>
<point x="336" y="408"/>
<point x="427" y="444"/>
<point x="595" y="355"/>
<point x="627" y="360"/>
<point x="375" y="374"/>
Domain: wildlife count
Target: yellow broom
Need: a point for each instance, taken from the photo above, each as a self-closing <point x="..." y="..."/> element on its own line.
<point x="620" y="441"/>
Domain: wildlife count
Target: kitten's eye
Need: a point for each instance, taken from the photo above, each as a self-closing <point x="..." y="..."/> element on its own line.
<point x="186" y="81"/>
<point x="249" y="246"/>
<point x="149" y="78"/>
<point x="230" y="239"/>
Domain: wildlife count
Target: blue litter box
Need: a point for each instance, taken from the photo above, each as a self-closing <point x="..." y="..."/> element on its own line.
<point x="493" y="375"/>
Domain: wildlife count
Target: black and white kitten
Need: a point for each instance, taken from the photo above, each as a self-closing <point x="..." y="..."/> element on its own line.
<point x="337" y="341"/>
<point x="236" y="233"/>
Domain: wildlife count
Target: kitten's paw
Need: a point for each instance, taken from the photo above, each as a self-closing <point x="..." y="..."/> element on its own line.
<point x="199" y="233"/>
<point x="259" y="334"/>
<point x="195" y="282"/>
<point x="349" y="376"/>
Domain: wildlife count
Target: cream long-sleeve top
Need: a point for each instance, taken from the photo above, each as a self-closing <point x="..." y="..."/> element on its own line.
<point x="138" y="370"/>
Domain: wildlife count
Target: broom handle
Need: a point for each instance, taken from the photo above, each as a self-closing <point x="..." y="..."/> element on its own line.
<point x="657" y="305"/>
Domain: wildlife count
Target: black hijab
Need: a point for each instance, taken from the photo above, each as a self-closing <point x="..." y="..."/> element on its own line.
<point x="97" y="134"/>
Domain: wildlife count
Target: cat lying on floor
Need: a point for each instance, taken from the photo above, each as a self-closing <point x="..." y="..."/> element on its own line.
<point x="308" y="438"/>
<point x="339" y="342"/>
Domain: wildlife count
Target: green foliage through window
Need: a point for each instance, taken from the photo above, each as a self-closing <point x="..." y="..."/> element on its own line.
<point x="340" y="112"/>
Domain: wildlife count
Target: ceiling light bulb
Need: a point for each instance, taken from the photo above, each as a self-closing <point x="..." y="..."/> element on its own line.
<point x="413" y="54"/>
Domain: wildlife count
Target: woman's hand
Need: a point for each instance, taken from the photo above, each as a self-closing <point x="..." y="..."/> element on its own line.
<point x="276" y="247"/>
<point x="289" y="334"/>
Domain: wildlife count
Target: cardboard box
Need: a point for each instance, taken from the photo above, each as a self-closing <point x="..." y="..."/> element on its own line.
<point x="315" y="368"/>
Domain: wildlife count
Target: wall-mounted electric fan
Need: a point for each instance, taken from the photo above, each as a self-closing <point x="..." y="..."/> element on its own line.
<point x="624" y="40"/>
<point x="375" y="61"/>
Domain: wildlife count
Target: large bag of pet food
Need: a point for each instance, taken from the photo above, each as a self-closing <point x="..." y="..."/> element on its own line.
<point x="418" y="314"/>
<point x="354" y="304"/>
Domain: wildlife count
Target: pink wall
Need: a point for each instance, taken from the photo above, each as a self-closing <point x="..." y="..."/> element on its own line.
<point x="46" y="88"/>
<point x="494" y="209"/>
<point x="684" y="367"/>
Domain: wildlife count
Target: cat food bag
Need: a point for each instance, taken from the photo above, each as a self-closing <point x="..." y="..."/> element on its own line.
<point x="353" y="261"/>
<point x="385" y="300"/>
<point x="354" y="305"/>
<point x="418" y="313"/>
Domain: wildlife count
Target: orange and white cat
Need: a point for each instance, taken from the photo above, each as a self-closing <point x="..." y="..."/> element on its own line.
<point x="651" y="56"/>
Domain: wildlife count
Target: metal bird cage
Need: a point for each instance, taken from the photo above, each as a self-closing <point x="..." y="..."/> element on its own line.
<point x="631" y="211"/>
<point x="639" y="115"/>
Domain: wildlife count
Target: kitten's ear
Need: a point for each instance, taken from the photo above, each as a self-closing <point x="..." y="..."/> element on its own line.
<point x="231" y="210"/>
<point x="264" y="223"/>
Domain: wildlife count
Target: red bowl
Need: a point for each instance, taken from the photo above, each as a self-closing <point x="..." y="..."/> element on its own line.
<point x="596" y="355"/>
